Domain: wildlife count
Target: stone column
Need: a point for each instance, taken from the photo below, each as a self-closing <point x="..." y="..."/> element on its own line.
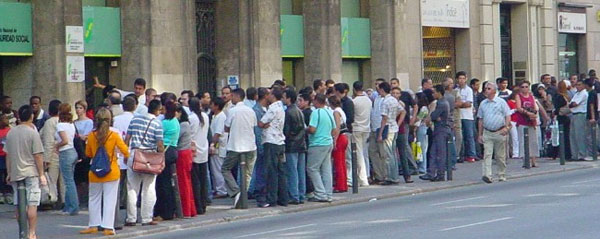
<point x="467" y="45"/>
<point x="396" y="41"/>
<point x="489" y="28"/>
<point x="159" y="44"/>
<point x="49" y="59"/>
<point x="322" y="40"/>
<point x="548" y="35"/>
<point x="248" y="42"/>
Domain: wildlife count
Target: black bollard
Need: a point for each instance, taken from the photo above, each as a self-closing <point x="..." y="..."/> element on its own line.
<point x="594" y="145"/>
<point x="354" y="169"/>
<point x="243" y="203"/>
<point x="22" y="210"/>
<point x="526" y="159"/>
<point x="561" y="144"/>
<point x="448" y="160"/>
<point x="175" y="184"/>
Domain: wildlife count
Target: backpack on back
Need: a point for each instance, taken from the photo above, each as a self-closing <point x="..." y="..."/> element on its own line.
<point x="100" y="162"/>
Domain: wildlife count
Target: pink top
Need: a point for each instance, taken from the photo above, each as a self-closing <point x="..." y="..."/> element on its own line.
<point x="527" y="103"/>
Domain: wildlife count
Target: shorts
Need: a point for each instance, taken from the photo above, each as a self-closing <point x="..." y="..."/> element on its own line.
<point x="32" y="190"/>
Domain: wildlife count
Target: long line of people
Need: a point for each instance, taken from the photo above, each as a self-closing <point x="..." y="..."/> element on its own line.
<point x="294" y="145"/>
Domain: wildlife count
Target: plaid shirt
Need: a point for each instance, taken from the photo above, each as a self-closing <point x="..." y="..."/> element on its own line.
<point x="138" y="126"/>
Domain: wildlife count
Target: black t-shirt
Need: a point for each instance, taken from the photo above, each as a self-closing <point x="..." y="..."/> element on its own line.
<point x="307" y="113"/>
<point x="409" y="102"/>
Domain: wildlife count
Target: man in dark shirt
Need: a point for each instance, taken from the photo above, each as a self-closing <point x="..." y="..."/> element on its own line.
<point x="39" y="115"/>
<point x="439" y="117"/>
<point x="406" y="155"/>
<point x="546" y="79"/>
<point x="592" y="113"/>
<point x="295" y="148"/>
<point x="341" y="91"/>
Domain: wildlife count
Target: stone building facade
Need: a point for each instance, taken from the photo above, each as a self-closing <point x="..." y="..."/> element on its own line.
<point x="206" y="44"/>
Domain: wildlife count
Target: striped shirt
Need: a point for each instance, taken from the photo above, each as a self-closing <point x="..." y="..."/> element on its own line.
<point x="493" y="112"/>
<point x="138" y="126"/>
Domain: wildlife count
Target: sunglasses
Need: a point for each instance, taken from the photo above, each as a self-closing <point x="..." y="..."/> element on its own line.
<point x="524" y="87"/>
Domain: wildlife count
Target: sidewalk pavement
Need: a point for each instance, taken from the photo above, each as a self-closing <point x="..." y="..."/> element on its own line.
<point x="53" y="225"/>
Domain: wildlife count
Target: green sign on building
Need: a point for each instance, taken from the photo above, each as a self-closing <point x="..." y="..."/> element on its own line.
<point x="102" y="31"/>
<point x="292" y="36"/>
<point x="15" y="29"/>
<point x="356" y="37"/>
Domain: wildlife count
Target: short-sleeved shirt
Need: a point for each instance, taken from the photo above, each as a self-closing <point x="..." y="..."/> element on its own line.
<point x="84" y="127"/>
<point x="466" y="95"/>
<point x="581" y="99"/>
<point x="321" y="119"/>
<point x="171" y="130"/>
<point x="275" y="116"/>
<point x="217" y="126"/>
<point x="376" y="114"/>
<point x="493" y="112"/>
<point x="362" y="113"/>
<point x="121" y="123"/>
<point x="69" y="129"/>
<point x="200" y="138"/>
<point x="451" y="100"/>
<point x="22" y="143"/>
<point x="138" y="126"/>
<point x="241" y="121"/>
<point x="592" y="105"/>
<point x="390" y="108"/>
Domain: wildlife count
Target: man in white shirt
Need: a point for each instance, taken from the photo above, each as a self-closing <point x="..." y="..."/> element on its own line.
<point x="142" y="108"/>
<point x="273" y="141"/>
<point x="577" y="135"/>
<point x="139" y="88"/>
<point x="251" y="96"/>
<point x="386" y="136"/>
<point x="466" y="115"/>
<point x="374" y="147"/>
<point x="241" y="146"/>
<point x="361" y="129"/>
<point x="218" y="146"/>
<point x="121" y="123"/>
<point x="226" y="95"/>
<point x="184" y="99"/>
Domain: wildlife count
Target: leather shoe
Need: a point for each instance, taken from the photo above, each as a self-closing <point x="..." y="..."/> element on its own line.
<point x="486" y="179"/>
<point x="408" y="180"/>
<point x="130" y="224"/>
<point x="426" y="177"/>
<point x="152" y="223"/>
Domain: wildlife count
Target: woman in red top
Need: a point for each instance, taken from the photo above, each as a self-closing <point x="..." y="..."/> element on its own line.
<point x="527" y="110"/>
<point x="514" y="135"/>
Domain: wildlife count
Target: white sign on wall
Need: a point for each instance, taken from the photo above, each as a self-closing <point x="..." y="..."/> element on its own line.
<point x="75" y="69"/>
<point x="569" y="22"/>
<point x="74" y="39"/>
<point x="445" y="13"/>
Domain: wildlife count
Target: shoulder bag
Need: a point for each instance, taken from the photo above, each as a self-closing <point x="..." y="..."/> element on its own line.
<point x="148" y="162"/>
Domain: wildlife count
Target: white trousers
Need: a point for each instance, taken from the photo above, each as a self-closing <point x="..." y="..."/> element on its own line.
<point x="103" y="203"/>
<point x="514" y="137"/>
<point x="360" y="138"/>
<point x="217" y="177"/>
<point x="148" y="188"/>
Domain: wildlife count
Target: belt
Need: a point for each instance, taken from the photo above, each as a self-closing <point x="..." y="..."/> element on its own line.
<point x="578" y="113"/>
<point x="494" y="131"/>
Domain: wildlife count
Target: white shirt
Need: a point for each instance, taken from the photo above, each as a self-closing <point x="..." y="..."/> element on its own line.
<point x="217" y="126"/>
<point x="342" y="115"/>
<point x="141" y="110"/>
<point x="241" y="122"/>
<point x="391" y="108"/>
<point x="581" y="99"/>
<point x="376" y="114"/>
<point x="466" y="95"/>
<point x="121" y="123"/>
<point x="275" y="116"/>
<point x="68" y="128"/>
<point x="200" y="138"/>
<point x="362" y="113"/>
<point x="124" y="93"/>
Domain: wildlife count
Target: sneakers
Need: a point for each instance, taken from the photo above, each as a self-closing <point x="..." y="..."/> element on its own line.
<point x="486" y="179"/>
<point x="588" y="159"/>
<point x="502" y="179"/>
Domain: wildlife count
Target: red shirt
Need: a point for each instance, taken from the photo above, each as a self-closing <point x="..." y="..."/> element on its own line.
<point x="3" y="133"/>
<point x="513" y="106"/>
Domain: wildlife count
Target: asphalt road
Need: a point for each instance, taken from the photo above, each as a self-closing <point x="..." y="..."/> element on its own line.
<point x="561" y="205"/>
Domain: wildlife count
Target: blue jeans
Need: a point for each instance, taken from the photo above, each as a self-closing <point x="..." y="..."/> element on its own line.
<point x="296" y="167"/>
<point x="258" y="183"/>
<point x="67" y="160"/>
<point x="424" y="140"/>
<point x="468" y="128"/>
<point x="452" y="150"/>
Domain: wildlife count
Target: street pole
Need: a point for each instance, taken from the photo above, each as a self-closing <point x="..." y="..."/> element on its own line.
<point x="175" y="184"/>
<point x="22" y="210"/>
<point x="448" y="160"/>
<point x="594" y="145"/>
<point x="354" y="169"/>
<point x="561" y="144"/>
<point x="526" y="159"/>
<point x="243" y="203"/>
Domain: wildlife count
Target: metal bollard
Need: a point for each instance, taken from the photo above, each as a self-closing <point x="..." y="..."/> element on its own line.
<point x="22" y="210"/>
<point x="526" y="159"/>
<point x="448" y="160"/>
<point x="354" y="169"/>
<point x="175" y="184"/>
<point x="561" y="144"/>
<point x="594" y="145"/>
<point x="243" y="203"/>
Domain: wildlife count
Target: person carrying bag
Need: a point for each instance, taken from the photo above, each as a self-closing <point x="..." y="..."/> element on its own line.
<point x="146" y="161"/>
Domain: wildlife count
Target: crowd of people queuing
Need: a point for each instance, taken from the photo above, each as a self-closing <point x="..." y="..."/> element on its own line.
<point x="294" y="144"/>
